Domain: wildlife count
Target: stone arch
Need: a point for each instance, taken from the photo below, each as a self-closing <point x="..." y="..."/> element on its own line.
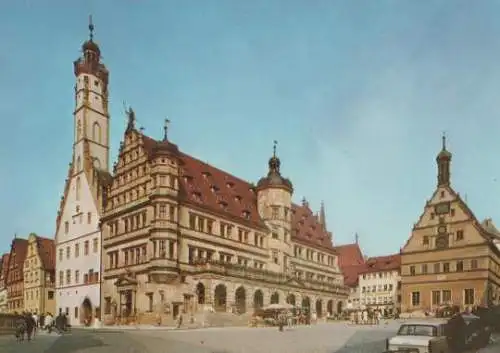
<point x="200" y="293"/>
<point x="306" y="304"/>
<point x="220" y="297"/>
<point x="86" y="312"/>
<point x="258" y="299"/>
<point x="290" y="299"/>
<point x="275" y="298"/>
<point x="78" y="187"/>
<point x="340" y="307"/>
<point x="319" y="308"/>
<point x="329" y="307"/>
<point x="96" y="132"/>
<point x="240" y="300"/>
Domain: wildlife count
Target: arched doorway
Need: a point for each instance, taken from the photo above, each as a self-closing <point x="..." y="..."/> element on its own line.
<point x="319" y="308"/>
<point x="258" y="300"/>
<point x="306" y="304"/>
<point x="329" y="307"/>
<point x="220" y="296"/>
<point x="86" y="312"/>
<point x="340" y="307"/>
<point x="200" y="293"/>
<point x="240" y="300"/>
<point x="275" y="298"/>
<point x="290" y="299"/>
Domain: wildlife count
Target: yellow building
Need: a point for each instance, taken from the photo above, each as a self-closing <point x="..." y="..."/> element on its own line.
<point x="451" y="257"/>
<point x="39" y="268"/>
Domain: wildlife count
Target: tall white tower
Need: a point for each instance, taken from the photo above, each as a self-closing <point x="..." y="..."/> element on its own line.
<point x="78" y="238"/>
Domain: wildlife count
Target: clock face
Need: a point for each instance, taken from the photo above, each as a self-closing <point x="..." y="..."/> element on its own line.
<point x="441" y="229"/>
<point x="442" y="208"/>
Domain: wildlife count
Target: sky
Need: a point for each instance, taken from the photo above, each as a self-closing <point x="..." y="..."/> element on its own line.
<point x="357" y="94"/>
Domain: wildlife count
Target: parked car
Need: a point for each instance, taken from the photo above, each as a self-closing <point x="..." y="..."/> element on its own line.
<point x="477" y="331"/>
<point x="423" y="336"/>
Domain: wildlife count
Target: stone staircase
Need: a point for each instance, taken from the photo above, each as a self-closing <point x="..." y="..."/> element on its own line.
<point x="224" y="319"/>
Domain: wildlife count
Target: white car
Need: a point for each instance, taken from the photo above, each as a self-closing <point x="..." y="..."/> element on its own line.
<point x="428" y="336"/>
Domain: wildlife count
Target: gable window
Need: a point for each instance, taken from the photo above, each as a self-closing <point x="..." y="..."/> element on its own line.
<point x="437" y="268"/>
<point x="446" y="267"/>
<point x="412" y="270"/>
<point x="66" y="227"/>
<point x="415" y="298"/>
<point x="460" y="266"/>
<point x="460" y="235"/>
<point x="452" y="212"/>
<point x="425" y="240"/>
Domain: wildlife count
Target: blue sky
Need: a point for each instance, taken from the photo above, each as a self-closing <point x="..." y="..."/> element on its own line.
<point x="356" y="92"/>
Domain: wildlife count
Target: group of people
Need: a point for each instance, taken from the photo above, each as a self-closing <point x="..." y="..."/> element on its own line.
<point x="27" y="324"/>
<point x="366" y="317"/>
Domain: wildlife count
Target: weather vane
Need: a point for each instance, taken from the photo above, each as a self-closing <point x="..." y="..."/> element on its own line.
<point x="165" y="129"/>
<point x="275" y="143"/>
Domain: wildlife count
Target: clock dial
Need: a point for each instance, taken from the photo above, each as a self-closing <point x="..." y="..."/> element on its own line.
<point x="441" y="229"/>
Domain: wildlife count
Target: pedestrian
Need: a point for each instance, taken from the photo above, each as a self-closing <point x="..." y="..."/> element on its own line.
<point x="179" y="321"/>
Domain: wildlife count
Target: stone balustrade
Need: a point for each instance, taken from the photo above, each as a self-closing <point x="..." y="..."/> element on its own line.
<point x="234" y="270"/>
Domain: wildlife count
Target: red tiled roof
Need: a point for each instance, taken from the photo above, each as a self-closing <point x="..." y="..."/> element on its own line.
<point x="382" y="263"/>
<point x="351" y="274"/>
<point x="207" y="186"/>
<point x="47" y="251"/>
<point x="307" y="228"/>
<point x="350" y="255"/>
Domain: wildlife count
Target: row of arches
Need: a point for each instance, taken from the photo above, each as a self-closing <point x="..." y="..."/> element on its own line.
<point x="240" y="300"/>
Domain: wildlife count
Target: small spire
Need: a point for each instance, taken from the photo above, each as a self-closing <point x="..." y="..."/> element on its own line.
<point x="322" y="215"/>
<point x="91" y="28"/>
<point x="356" y="238"/>
<point x="165" y="130"/>
<point x="444" y="140"/>
<point x="275" y="144"/>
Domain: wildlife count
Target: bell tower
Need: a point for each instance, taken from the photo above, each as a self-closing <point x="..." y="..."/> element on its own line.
<point x="91" y="116"/>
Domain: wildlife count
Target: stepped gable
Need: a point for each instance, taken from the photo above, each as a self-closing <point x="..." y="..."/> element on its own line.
<point x="47" y="252"/>
<point x="222" y="193"/>
<point x="18" y="251"/>
<point x="382" y="263"/>
<point x="307" y="228"/>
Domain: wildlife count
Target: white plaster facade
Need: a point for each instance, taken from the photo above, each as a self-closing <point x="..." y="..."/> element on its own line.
<point x="379" y="289"/>
<point x="78" y="236"/>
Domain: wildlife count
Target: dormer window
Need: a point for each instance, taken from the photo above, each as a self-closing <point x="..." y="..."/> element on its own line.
<point x="197" y="196"/>
<point x="206" y="174"/>
<point x="237" y="198"/>
<point x="229" y="184"/>
<point x="188" y="178"/>
<point x="223" y="204"/>
<point x="246" y="214"/>
<point x="214" y="188"/>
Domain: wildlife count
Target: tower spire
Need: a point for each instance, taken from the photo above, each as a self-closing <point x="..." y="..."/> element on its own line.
<point x="322" y="215"/>
<point x="443" y="160"/>
<point x="91" y="28"/>
<point x="275" y="144"/>
<point x="165" y="130"/>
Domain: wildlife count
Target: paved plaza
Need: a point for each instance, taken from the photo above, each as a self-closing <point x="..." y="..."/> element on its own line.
<point x="321" y="338"/>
